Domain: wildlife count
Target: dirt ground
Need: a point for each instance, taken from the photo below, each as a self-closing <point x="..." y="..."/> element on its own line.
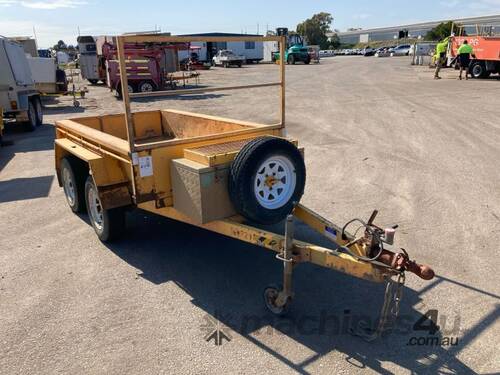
<point x="378" y="133"/>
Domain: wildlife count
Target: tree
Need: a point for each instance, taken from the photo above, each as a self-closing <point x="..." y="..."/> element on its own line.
<point x="60" y="46"/>
<point x="440" y="32"/>
<point x="335" y="41"/>
<point x="314" y="29"/>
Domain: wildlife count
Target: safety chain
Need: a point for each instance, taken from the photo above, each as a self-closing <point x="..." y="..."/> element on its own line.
<point x="392" y="298"/>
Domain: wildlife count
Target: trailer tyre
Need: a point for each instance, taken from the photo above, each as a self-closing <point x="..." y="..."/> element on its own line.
<point x="108" y="224"/>
<point x="146" y="86"/>
<point x="73" y="175"/>
<point x="39" y="110"/>
<point x="267" y="176"/>
<point x="31" y="124"/>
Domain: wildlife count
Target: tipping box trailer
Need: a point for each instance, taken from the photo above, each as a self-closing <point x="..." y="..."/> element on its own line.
<point x="227" y="176"/>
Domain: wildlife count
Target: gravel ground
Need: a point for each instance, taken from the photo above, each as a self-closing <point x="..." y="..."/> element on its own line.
<point x="378" y="133"/>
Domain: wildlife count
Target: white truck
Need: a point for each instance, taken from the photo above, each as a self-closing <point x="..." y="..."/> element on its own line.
<point x="19" y="98"/>
<point x="226" y="57"/>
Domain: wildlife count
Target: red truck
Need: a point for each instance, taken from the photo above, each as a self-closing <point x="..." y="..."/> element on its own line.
<point x="486" y="48"/>
<point x="146" y="66"/>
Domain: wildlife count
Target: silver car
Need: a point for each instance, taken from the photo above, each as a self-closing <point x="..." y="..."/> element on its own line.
<point x="401" y="50"/>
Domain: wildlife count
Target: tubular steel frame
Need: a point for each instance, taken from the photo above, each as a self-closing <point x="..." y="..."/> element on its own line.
<point x="122" y="39"/>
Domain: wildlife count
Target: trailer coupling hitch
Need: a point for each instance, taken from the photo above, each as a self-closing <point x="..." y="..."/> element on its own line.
<point x="373" y="240"/>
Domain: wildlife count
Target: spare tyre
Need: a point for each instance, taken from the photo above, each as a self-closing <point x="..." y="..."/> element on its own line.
<point x="265" y="179"/>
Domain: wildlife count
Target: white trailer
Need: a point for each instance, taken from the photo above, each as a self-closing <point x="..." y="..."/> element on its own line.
<point x="253" y="51"/>
<point x="92" y="64"/>
<point x="43" y="72"/>
<point x="270" y="47"/>
<point x="19" y="98"/>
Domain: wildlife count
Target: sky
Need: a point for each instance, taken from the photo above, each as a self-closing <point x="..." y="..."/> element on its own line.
<point x="52" y="20"/>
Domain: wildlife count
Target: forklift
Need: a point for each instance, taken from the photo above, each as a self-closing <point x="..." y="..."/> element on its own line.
<point x="295" y="49"/>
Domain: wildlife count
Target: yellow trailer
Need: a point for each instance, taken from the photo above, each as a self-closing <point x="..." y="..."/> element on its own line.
<point x="224" y="175"/>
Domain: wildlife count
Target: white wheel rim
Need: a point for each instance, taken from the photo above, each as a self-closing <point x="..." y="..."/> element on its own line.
<point x="130" y="88"/>
<point x="146" y="87"/>
<point x="275" y="182"/>
<point x="69" y="188"/>
<point x="95" y="208"/>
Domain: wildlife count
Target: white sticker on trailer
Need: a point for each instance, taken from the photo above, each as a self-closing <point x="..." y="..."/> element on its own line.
<point x="135" y="158"/>
<point x="145" y="166"/>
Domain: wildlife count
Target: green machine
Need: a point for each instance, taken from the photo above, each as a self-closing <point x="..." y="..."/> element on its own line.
<point x="295" y="49"/>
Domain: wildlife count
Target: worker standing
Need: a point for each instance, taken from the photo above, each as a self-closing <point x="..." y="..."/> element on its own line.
<point x="440" y="57"/>
<point x="464" y="52"/>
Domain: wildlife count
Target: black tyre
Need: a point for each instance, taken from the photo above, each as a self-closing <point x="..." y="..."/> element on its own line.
<point x="265" y="179"/>
<point x="131" y="89"/>
<point x="291" y="59"/>
<point x="108" y="224"/>
<point x="73" y="176"/>
<point x="477" y="70"/>
<point x="93" y="81"/>
<point x="146" y="86"/>
<point x="39" y="110"/>
<point x="270" y="295"/>
<point x="31" y="124"/>
<point x="307" y="61"/>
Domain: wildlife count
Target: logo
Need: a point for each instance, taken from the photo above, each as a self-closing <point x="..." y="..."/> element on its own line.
<point x="216" y="331"/>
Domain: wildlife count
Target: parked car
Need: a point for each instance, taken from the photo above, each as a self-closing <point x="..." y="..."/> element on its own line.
<point x="226" y="57"/>
<point x="368" y="51"/>
<point x="401" y="50"/>
<point x="326" y="53"/>
<point x="383" y="52"/>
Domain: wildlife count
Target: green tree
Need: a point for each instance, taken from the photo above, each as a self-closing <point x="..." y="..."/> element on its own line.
<point x="314" y="29"/>
<point x="440" y="32"/>
<point x="60" y="46"/>
<point x="335" y="41"/>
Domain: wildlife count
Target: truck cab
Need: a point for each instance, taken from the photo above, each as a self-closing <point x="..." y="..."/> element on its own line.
<point x="19" y="98"/>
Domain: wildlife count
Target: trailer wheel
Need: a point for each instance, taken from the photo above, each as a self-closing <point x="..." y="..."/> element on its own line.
<point x="39" y="110"/>
<point x="108" y="224"/>
<point x="73" y="175"/>
<point x="267" y="176"/>
<point x="270" y="295"/>
<point x="119" y="90"/>
<point x="31" y="124"/>
<point x="146" y="86"/>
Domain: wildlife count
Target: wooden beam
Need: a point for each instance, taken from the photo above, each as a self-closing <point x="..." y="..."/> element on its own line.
<point x="282" y="78"/>
<point x="186" y="39"/>
<point x="129" y="121"/>
<point x="200" y="90"/>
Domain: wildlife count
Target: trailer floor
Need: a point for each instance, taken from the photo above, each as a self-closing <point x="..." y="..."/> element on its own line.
<point x="378" y="133"/>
